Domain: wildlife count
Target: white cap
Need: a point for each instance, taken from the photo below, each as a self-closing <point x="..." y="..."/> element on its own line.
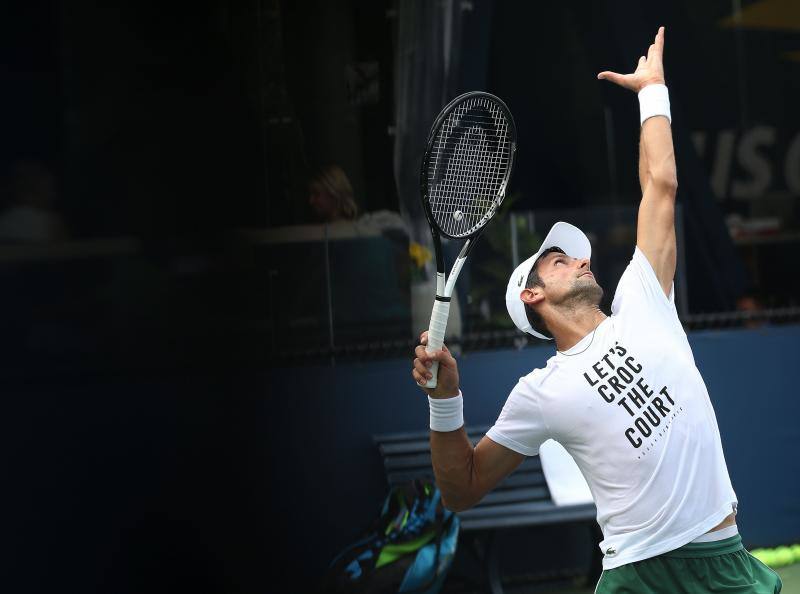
<point x="570" y="239"/>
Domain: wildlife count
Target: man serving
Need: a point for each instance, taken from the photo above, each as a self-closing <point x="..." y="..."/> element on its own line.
<point x="622" y="394"/>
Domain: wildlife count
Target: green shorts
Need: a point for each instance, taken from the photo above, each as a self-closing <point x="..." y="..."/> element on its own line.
<point x="721" y="566"/>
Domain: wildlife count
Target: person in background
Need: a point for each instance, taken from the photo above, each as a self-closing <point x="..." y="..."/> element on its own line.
<point x="330" y="195"/>
<point x="750" y="304"/>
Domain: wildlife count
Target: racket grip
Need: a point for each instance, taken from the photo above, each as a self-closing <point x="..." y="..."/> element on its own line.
<point x="436" y="329"/>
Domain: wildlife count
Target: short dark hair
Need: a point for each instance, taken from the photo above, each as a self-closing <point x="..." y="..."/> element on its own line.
<point x="534" y="280"/>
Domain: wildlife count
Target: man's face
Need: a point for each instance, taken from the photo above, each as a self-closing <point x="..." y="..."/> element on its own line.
<point x="568" y="280"/>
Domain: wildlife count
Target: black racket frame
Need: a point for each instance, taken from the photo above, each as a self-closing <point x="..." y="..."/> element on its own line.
<point x="435" y="231"/>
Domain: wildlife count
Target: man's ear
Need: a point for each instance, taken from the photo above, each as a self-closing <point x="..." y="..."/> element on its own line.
<point x="532" y="296"/>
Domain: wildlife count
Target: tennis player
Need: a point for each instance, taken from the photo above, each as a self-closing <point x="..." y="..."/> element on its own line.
<point x="622" y="394"/>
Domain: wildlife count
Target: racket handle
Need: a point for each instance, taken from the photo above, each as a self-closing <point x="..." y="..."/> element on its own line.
<point x="436" y="329"/>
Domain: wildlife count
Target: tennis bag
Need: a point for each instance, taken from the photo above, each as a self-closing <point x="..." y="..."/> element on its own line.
<point x="409" y="548"/>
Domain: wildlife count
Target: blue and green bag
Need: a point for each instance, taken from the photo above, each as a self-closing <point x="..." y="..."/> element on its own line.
<point x="409" y="549"/>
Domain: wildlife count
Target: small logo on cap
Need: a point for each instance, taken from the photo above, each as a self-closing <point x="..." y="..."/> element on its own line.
<point x="519" y="284"/>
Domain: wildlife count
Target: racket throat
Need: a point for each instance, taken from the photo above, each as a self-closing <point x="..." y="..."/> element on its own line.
<point x="440" y="283"/>
<point x="445" y="289"/>
<point x="451" y="280"/>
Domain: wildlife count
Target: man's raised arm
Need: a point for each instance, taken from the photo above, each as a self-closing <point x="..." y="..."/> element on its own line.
<point x="655" y="232"/>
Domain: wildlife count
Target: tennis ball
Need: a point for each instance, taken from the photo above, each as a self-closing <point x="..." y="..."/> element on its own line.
<point x="784" y="556"/>
<point x="772" y="558"/>
<point x="763" y="555"/>
<point x="796" y="552"/>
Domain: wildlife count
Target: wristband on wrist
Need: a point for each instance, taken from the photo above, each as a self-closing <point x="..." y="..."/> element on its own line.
<point x="447" y="414"/>
<point x="654" y="101"/>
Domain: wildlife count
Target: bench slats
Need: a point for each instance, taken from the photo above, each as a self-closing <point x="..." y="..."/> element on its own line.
<point x="516" y="495"/>
<point x="423" y="459"/>
<point x="488" y="511"/>
<point x="416" y="442"/>
<point x="540" y="517"/>
<point x="532" y="464"/>
<point x="516" y="480"/>
<point x="405" y="447"/>
<point x="413" y="447"/>
<point x="397" y="478"/>
<point x="472" y="430"/>
<point x="523" y="479"/>
<point x="412" y="461"/>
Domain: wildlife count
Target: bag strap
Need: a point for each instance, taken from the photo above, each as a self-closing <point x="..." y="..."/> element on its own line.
<point x="442" y="524"/>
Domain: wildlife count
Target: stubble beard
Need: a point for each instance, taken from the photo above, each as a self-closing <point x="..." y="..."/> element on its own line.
<point x="583" y="293"/>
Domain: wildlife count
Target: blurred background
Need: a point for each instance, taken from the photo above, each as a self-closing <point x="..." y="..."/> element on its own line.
<point x="215" y="262"/>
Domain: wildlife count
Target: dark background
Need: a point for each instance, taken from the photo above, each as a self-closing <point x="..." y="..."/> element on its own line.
<point x="150" y="441"/>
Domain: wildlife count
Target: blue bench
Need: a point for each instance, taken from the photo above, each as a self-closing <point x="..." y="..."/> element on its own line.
<point x="521" y="500"/>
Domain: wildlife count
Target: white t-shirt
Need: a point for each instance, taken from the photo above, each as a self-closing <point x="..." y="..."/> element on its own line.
<point x="628" y="403"/>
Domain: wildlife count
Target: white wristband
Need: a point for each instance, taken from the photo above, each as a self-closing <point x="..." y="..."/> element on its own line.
<point x="447" y="414"/>
<point x="654" y="101"/>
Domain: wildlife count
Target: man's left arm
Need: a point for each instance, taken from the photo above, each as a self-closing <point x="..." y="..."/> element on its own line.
<point x="655" y="232"/>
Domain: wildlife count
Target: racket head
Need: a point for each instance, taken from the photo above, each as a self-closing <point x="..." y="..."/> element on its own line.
<point x="467" y="164"/>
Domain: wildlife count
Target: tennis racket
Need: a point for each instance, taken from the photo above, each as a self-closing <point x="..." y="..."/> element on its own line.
<point x="465" y="171"/>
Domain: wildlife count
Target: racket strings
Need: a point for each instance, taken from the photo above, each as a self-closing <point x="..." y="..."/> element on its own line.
<point x="469" y="163"/>
<point x="473" y="172"/>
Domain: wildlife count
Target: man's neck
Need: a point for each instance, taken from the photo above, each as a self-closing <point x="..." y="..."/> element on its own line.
<point x="572" y="325"/>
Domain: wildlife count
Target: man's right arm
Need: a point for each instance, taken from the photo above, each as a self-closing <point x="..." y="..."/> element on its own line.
<point x="464" y="474"/>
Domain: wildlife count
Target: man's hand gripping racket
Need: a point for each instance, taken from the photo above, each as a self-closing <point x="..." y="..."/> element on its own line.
<point x="447" y="369"/>
<point x="465" y="172"/>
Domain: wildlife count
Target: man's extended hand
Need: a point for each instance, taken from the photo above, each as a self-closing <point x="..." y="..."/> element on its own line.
<point x="650" y="69"/>
<point x="447" y="380"/>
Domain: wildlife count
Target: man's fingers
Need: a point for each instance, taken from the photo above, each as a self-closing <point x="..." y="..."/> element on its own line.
<point x="657" y="47"/>
<point x="434" y="355"/>
<point x="614" y="77"/>
<point x="422" y="369"/>
<point x="426" y="358"/>
<point x="422" y="353"/>
<point x="444" y="358"/>
<point x="418" y="378"/>
<point x="423" y="338"/>
<point x="652" y="61"/>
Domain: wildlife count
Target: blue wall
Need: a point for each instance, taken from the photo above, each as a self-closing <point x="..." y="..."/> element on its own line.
<point x="328" y="415"/>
